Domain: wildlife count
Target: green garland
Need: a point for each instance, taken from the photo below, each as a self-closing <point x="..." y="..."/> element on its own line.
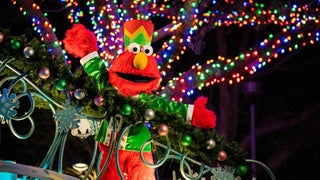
<point x="113" y="102"/>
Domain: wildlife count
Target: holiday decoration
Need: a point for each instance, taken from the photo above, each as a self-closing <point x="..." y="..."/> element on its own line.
<point x="44" y="73"/>
<point x="210" y="144"/>
<point x="149" y="114"/>
<point x="188" y="33"/>
<point x="15" y="44"/>
<point x="222" y="155"/>
<point x="133" y="73"/>
<point x="242" y="170"/>
<point x="98" y="101"/>
<point x="61" y="84"/>
<point x="8" y="105"/>
<point x="113" y="96"/>
<point x="85" y="129"/>
<point x="126" y="109"/>
<point x="1" y="37"/>
<point x="163" y="130"/>
<point x="186" y="140"/>
<point x="79" y="93"/>
<point x="28" y="52"/>
<point x="69" y="116"/>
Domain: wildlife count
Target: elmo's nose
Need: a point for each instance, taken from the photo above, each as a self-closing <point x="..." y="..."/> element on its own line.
<point x="140" y="61"/>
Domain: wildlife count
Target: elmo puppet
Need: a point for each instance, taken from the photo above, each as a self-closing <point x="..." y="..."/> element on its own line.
<point x="132" y="73"/>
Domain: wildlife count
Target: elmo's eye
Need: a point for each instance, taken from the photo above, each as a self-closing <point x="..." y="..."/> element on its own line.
<point x="134" y="48"/>
<point x="147" y="49"/>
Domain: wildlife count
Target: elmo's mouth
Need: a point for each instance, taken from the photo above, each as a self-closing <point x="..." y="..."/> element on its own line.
<point x="135" y="78"/>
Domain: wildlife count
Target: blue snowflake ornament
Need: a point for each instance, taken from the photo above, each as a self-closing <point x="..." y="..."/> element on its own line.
<point x="68" y="118"/>
<point x="8" y="104"/>
<point x="222" y="174"/>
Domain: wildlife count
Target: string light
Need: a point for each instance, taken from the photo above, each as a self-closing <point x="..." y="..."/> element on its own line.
<point x="107" y="21"/>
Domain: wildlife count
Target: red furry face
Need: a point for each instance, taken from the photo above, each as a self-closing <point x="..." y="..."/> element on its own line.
<point x="131" y="81"/>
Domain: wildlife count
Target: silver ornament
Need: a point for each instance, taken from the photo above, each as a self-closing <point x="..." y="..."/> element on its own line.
<point x="211" y="143"/>
<point x="28" y="52"/>
<point x="149" y="114"/>
<point x="79" y="94"/>
<point x="44" y="73"/>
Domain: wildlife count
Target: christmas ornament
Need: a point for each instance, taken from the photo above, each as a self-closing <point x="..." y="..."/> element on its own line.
<point x="211" y="143"/>
<point x="67" y="117"/>
<point x="15" y="44"/>
<point x="79" y="94"/>
<point x="1" y="37"/>
<point x="126" y="109"/>
<point x="44" y="73"/>
<point x="149" y="114"/>
<point x="8" y="105"/>
<point x="163" y="130"/>
<point x="186" y="140"/>
<point x="84" y="130"/>
<point x="98" y="101"/>
<point x="148" y="125"/>
<point x="222" y="155"/>
<point x="28" y="52"/>
<point x="61" y="84"/>
<point x="242" y="170"/>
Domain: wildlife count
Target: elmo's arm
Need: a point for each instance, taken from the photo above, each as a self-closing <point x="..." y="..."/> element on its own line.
<point x="195" y="114"/>
<point x="81" y="43"/>
<point x="94" y="66"/>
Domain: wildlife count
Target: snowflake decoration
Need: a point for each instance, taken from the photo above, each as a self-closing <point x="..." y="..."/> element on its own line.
<point x="8" y="103"/>
<point x="68" y="118"/>
<point x="221" y="174"/>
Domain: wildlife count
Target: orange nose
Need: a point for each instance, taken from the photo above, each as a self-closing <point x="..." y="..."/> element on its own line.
<point x="140" y="61"/>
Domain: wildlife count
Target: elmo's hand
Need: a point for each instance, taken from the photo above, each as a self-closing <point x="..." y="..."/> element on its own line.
<point x="80" y="41"/>
<point x="203" y="117"/>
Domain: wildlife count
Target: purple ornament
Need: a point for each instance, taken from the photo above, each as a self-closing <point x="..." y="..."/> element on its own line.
<point x="98" y="100"/>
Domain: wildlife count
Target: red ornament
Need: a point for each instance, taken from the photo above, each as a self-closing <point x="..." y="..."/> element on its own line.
<point x="163" y="130"/>
<point x="222" y="155"/>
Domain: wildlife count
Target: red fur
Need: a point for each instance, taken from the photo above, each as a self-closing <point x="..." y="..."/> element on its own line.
<point x="202" y="117"/>
<point x="80" y="41"/>
<point x="130" y="164"/>
<point x="124" y="64"/>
